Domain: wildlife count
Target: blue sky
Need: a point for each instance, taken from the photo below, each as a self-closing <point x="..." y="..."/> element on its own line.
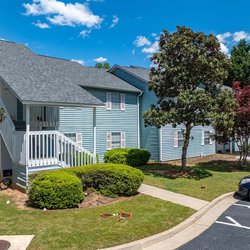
<point x="120" y="31"/>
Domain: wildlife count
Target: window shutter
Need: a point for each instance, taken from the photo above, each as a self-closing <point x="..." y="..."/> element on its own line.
<point x="202" y="138"/>
<point x="108" y="101"/>
<point x="122" y="104"/>
<point x="79" y="138"/>
<point x="109" y="141"/>
<point x="210" y="138"/>
<point x="176" y="139"/>
<point x="123" y="140"/>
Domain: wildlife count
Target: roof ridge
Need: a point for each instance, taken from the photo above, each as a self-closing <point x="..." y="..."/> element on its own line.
<point x="7" y="41"/>
<point x="58" y="58"/>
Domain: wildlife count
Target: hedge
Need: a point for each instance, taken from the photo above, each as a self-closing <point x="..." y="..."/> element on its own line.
<point x="130" y="156"/>
<point x="109" y="179"/>
<point x="55" y="190"/>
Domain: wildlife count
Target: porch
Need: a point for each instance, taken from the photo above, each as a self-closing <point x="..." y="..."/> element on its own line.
<point x="32" y="139"/>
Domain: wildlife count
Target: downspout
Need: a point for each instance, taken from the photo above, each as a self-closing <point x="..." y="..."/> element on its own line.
<point x="160" y="143"/>
<point x="138" y="121"/>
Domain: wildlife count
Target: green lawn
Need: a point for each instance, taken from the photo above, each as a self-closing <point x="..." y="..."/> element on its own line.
<point x="225" y="178"/>
<point x="85" y="229"/>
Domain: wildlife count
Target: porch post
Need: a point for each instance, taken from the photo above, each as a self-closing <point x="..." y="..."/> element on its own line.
<point x="94" y="132"/>
<point x="27" y="132"/>
<point x="231" y="146"/>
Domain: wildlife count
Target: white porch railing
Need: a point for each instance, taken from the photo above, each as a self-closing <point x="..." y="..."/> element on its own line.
<point x="14" y="140"/>
<point x="53" y="147"/>
<point x="42" y="148"/>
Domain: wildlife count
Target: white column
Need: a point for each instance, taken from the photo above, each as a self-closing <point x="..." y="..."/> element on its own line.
<point x="231" y="146"/>
<point x="94" y="131"/>
<point x="27" y="132"/>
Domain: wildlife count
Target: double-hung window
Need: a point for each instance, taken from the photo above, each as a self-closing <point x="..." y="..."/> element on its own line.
<point x="206" y="138"/>
<point x="115" y="140"/>
<point x="115" y="101"/>
<point x="178" y="139"/>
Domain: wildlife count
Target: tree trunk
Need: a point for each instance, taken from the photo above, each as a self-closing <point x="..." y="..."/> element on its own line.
<point x="243" y="151"/>
<point x="187" y="133"/>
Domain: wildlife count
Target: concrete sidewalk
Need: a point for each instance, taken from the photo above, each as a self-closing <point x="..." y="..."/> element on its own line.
<point x="166" y="195"/>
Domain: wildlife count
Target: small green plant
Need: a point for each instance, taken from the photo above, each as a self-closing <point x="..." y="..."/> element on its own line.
<point x="55" y="190"/>
<point x="109" y="179"/>
<point x="199" y="173"/>
<point x="130" y="156"/>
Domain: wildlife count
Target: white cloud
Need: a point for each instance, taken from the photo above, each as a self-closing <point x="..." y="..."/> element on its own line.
<point x="85" y="33"/>
<point x="153" y="34"/>
<point x="78" y="61"/>
<point x="222" y="37"/>
<point x="114" y="21"/>
<point x="151" y="49"/>
<point x="101" y="59"/>
<point x="224" y="48"/>
<point x="60" y="13"/>
<point x="41" y="25"/>
<point x="237" y="36"/>
<point x="2" y="39"/>
<point x="141" y="41"/>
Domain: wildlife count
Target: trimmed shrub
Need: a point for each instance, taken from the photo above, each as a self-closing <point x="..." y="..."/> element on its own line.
<point x="130" y="156"/>
<point x="109" y="179"/>
<point x="55" y="190"/>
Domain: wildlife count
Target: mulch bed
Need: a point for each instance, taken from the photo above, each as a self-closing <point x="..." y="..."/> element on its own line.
<point x="91" y="199"/>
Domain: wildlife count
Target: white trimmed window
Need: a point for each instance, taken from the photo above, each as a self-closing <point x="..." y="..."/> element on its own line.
<point x="206" y="138"/>
<point x="76" y="137"/>
<point x="115" y="101"/>
<point x="116" y="140"/>
<point x="178" y="139"/>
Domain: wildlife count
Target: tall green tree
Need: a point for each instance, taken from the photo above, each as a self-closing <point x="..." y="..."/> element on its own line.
<point x="240" y="60"/>
<point x="104" y="65"/>
<point x="187" y="68"/>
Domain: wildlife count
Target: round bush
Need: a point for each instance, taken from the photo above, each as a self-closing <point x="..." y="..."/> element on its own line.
<point x="55" y="190"/>
<point x="109" y="179"/>
<point x="130" y="156"/>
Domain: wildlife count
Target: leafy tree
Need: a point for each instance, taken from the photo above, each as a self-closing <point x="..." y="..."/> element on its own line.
<point x="102" y="65"/>
<point x="240" y="69"/>
<point x="242" y="120"/>
<point x="188" y="66"/>
<point x="233" y="120"/>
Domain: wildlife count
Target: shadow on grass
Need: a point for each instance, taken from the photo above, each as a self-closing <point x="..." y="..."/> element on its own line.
<point x="173" y="172"/>
<point x="197" y="172"/>
<point x="223" y="166"/>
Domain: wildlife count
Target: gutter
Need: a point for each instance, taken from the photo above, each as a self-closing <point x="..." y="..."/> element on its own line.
<point x="138" y="121"/>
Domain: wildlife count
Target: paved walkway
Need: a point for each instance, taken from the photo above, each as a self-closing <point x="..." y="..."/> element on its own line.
<point x="18" y="242"/>
<point x="166" y="195"/>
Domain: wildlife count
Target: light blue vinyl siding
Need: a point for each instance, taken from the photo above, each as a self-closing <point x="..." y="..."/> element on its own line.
<point x="78" y="120"/>
<point x="169" y="152"/>
<point x="19" y="176"/>
<point x="149" y="135"/>
<point x="81" y="120"/>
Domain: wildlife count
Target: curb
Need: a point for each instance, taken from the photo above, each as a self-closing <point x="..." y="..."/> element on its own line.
<point x="151" y="240"/>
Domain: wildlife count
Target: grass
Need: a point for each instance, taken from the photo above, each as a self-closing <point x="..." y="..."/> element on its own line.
<point x="85" y="229"/>
<point x="224" y="178"/>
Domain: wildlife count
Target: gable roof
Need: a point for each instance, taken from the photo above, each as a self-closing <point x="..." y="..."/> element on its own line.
<point x="90" y="77"/>
<point x="40" y="79"/>
<point x="136" y="71"/>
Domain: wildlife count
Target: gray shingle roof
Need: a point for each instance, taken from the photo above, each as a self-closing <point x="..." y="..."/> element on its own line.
<point x="140" y="72"/>
<point x="41" y="79"/>
<point x="88" y="76"/>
